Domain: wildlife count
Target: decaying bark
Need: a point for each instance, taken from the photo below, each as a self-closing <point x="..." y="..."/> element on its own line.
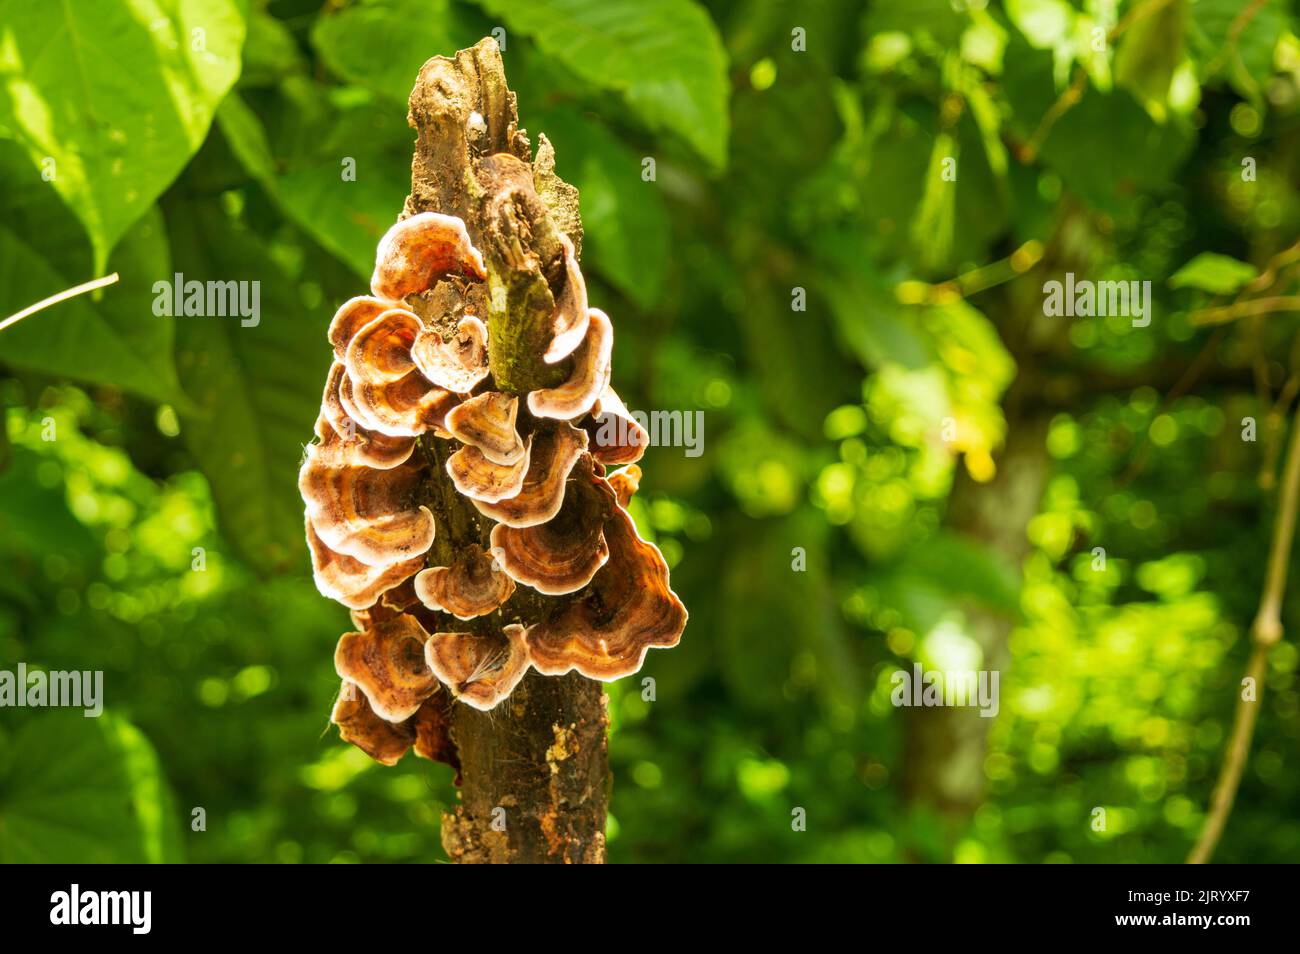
<point x="533" y="770"/>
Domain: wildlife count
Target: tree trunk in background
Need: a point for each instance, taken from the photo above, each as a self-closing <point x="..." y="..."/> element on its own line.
<point x="945" y="747"/>
<point x="534" y="770"/>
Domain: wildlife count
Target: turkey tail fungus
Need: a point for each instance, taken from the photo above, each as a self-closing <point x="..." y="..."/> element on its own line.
<point x="457" y="497"/>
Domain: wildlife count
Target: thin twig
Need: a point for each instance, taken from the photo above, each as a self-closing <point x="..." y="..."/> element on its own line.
<point x="55" y="299"/>
<point x="1265" y="633"/>
<point x="1241" y="309"/>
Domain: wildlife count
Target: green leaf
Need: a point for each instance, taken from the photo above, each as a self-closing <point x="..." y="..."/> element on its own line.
<point x="85" y="791"/>
<point x="942" y="21"/>
<point x="1106" y="148"/>
<point x="1214" y="273"/>
<point x="347" y="216"/>
<point x="258" y="388"/>
<point x="114" y="98"/>
<point x="624" y="220"/>
<point x="116" y="341"/>
<point x="664" y="56"/>
<point x="270" y="51"/>
<point x="1149" y="53"/>
<point x="1237" y="40"/>
<point x="382" y="44"/>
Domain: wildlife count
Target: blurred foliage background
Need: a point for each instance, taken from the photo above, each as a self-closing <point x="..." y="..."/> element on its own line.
<point x="864" y="334"/>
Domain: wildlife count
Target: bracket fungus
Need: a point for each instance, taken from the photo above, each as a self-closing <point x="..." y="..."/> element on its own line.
<point x="416" y="252"/>
<point x="479" y="669"/>
<point x="473" y="585"/>
<point x="459" y="489"/>
<point x="487" y="422"/>
<point x="386" y="661"/>
<point x="569" y="319"/>
<point x="591" y="372"/>
<point x="456" y="365"/>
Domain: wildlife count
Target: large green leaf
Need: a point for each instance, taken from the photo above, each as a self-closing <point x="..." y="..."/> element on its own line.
<point x="1106" y="147"/>
<point x="1214" y="273"/>
<point x="407" y="32"/>
<point x="1237" y="40"/>
<point x="624" y="220"/>
<point x="100" y="325"/>
<point x="85" y="791"/>
<point x="116" y="341"/>
<point x="117" y="96"/>
<point x="257" y="388"/>
<point x="347" y="215"/>
<point x="664" y="56"/>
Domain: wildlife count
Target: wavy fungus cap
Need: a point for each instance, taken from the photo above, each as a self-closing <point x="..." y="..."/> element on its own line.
<point x="591" y="371"/>
<point x="487" y="422"/>
<point x="456" y="365"/>
<point x="479" y="670"/>
<point x="627" y="609"/>
<point x="366" y="513"/>
<point x="353" y="315"/>
<point x="383" y="741"/>
<point x="616" y="436"/>
<point x="380" y="352"/>
<point x="472" y="586"/>
<point x="355" y="584"/>
<point x="569" y="319"/>
<point x="419" y="251"/>
<point x="563" y="554"/>
<point x="387" y="663"/>
<point x="477" y="478"/>
<point x="554" y="452"/>
<point x="406" y="407"/>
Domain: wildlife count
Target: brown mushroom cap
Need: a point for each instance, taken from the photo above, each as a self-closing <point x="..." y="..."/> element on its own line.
<point x="553" y="453"/>
<point x="363" y="449"/>
<point x="353" y="315"/>
<point x="625" y="483"/>
<point x="456" y="365"/>
<point x="487" y="421"/>
<point x="418" y="251"/>
<point x="387" y="663"/>
<point x="590" y="377"/>
<point x="479" y="479"/>
<point x="627" y="609"/>
<point x="380" y="352"/>
<point x="407" y="407"/>
<point x="569" y="320"/>
<point x="479" y="671"/>
<point x="433" y="732"/>
<point x="354" y="584"/>
<point x="472" y="586"/>
<point x="366" y="513"/>
<point x="331" y="406"/>
<point x="381" y="740"/>
<point x="563" y="554"/>
<point x="616" y="437"/>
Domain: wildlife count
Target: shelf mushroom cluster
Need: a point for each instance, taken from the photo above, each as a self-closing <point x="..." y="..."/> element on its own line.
<point x="549" y="571"/>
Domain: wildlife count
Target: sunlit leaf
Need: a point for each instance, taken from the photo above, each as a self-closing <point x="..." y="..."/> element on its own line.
<point x="664" y="56"/>
<point x="114" y="98"/>
<point x="1214" y="273"/>
<point x="85" y="791"/>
